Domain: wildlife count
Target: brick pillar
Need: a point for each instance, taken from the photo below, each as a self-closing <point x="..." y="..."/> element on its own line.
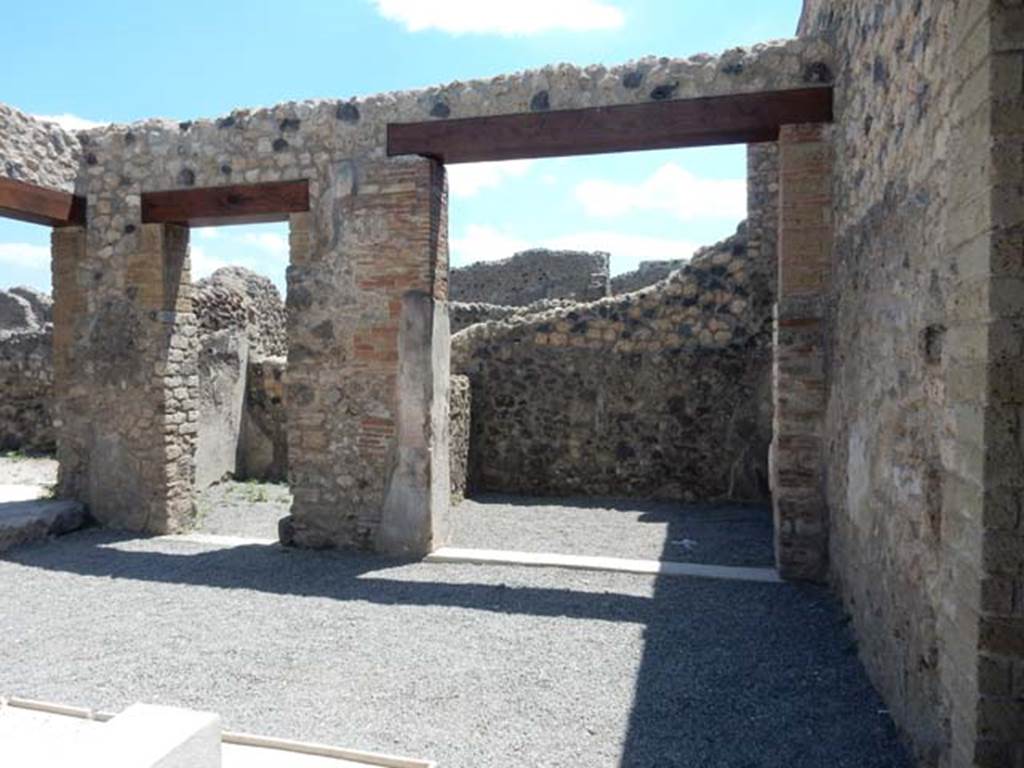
<point x="367" y="382"/>
<point x="159" y="276"/>
<point x="67" y="254"/>
<point x="799" y="381"/>
<point x="128" y="362"/>
<point x="999" y="324"/>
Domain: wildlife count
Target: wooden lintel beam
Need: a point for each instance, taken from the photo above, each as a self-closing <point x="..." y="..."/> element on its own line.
<point x="235" y="204"/>
<point x="40" y="205"/>
<point x="739" y="118"/>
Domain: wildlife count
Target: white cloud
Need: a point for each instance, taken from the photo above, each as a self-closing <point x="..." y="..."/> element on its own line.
<point x="671" y="189"/>
<point x="203" y="264"/>
<point x="265" y="253"/>
<point x="270" y="242"/>
<point x="466" y="180"/>
<point x="482" y="243"/>
<point x="69" y="122"/>
<point x="627" y="251"/>
<point x="524" y="17"/>
<point x="25" y="255"/>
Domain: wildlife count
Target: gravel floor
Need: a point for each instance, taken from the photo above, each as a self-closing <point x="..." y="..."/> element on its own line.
<point x="472" y="666"/>
<point x="722" y="534"/>
<point x="243" y="509"/>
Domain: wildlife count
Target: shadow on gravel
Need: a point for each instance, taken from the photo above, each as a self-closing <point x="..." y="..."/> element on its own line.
<point x="334" y="575"/>
<point x="733" y="674"/>
<point x="768" y="687"/>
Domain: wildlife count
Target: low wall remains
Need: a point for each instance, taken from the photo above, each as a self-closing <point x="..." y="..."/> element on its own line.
<point x="26" y="370"/>
<point x="462" y="315"/>
<point x="459" y="409"/>
<point x="26" y="384"/>
<point x="665" y="392"/>
<point x="531" y="276"/>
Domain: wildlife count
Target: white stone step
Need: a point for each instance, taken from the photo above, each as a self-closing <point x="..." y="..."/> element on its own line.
<point x="600" y="563"/>
<point x="44" y="735"/>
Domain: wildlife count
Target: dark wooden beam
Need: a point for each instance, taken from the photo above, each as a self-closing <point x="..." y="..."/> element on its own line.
<point x="235" y="204"/>
<point x="40" y="205"/>
<point x="741" y="118"/>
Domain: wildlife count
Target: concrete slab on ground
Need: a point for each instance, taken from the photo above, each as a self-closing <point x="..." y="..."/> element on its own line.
<point x="38" y="734"/>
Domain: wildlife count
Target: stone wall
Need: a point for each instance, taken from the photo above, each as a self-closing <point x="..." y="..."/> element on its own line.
<point x="26" y="384"/>
<point x="26" y="371"/>
<point x="24" y="309"/>
<point x="38" y="152"/>
<point x="664" y="392"/>
<point x="924" y="473"/>
<point x="459" y="411"/>
<point x="240" y="299"/>
<point x="532" y="276"/>
<point x="463" y="315"/>
<point x="222" y="366"/>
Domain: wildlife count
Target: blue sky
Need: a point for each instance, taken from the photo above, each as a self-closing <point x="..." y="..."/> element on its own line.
<point x="120" y="61"/>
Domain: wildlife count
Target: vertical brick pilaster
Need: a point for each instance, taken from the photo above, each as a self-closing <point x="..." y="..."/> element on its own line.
<point x="999" y="670"/>
<point x="67" y="255"/>
<point x="799" y="381"/>
<point x="136" y="406"/>
<point x="368" y="359"/>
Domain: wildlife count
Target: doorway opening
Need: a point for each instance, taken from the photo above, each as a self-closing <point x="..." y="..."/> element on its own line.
<point x="241" y="459"/>
<point x="613" y="337"/>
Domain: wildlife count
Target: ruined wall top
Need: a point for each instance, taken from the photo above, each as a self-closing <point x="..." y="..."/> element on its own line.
<point x="297" y="139"/>
<point x="36" y="151"/>
<point x="240" y="299"/>
<point x="531" y="276"/>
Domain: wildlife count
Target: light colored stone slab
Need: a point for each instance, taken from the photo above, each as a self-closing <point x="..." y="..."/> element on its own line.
<point x="38" y="734"/>
<point x="25" y="521"/>
<point x="217" y="540"/>
<point x="150" y="736"/>
<point x="592" y="563"/>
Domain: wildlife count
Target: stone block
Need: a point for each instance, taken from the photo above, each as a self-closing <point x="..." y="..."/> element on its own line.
<point x="223" y="364"/>
<point x="149" y="736"/>
<point x="23" y="522"/>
